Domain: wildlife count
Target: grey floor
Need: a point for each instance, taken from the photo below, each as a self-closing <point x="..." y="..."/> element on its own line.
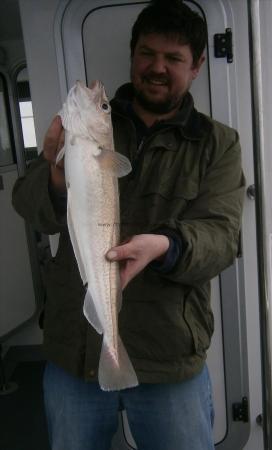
<point x="22" y="420"/>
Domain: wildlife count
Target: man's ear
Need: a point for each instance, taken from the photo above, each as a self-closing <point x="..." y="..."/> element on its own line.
<point x="197" y="66"/>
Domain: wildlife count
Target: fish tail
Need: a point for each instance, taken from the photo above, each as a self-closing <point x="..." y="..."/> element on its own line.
<point x="115" y="369"/>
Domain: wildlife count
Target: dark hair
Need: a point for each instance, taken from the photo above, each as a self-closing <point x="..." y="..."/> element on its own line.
<point x="173" y="18"/>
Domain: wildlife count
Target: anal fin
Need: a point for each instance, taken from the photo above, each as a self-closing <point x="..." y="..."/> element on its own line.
<point x="91" y="314"/>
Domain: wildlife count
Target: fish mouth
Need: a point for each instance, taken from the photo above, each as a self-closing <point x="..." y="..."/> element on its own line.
<point x="95" y="84"/>
<point x="96" y="92"/>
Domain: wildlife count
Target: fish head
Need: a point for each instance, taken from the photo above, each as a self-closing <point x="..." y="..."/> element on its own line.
<point x="95" y="110"/>
<point x="87" y="114"/>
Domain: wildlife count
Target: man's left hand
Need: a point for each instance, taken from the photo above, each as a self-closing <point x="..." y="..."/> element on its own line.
<point x="135" y="254"/>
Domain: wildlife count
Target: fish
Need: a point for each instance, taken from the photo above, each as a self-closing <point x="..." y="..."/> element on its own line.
<point x="92" y="168"/>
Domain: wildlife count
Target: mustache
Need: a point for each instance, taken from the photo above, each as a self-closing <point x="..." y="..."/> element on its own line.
<point x="157" y="77"/>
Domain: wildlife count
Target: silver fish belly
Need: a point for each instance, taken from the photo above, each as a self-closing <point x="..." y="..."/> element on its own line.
<point x="91" y="172"/>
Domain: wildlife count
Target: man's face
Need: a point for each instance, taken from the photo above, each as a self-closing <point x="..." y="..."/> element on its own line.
<point x="162" y="71"/>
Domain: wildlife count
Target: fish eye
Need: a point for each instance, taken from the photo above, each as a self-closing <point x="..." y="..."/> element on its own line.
<point x="105" y="106"/>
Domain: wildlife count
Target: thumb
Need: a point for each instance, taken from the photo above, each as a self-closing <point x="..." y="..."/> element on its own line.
<point x="119" y="253"/>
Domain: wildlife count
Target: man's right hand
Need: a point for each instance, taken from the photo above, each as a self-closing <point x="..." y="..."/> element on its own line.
<point x="53" y="143"/>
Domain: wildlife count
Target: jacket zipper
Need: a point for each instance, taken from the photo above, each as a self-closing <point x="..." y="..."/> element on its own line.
<point x="140" y="151"/>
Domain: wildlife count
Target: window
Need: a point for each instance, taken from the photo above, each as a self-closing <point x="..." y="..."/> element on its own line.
<point x="26" y="113"/>
<point x="27" y="121"/>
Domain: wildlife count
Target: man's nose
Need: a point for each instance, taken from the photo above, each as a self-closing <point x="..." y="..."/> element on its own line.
<point x="158" y="64"/>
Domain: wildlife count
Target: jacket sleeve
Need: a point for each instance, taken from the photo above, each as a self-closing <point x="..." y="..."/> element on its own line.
<point x="209" y="228"/>
<point x="32" y="199"/>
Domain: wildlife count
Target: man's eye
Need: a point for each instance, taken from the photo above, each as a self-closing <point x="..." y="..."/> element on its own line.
<point x="146" y="53"/>
<point x="175" y="58"/>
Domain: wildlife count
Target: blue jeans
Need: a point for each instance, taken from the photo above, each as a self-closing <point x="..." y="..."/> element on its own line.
<point x="177" y="416"/>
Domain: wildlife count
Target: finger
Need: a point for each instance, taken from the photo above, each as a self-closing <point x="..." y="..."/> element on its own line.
<point x="52" y="138"/>
<point x="121" y="252"/>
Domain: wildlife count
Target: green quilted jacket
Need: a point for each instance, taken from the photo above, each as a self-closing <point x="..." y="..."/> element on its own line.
<point x="186" y="179"/>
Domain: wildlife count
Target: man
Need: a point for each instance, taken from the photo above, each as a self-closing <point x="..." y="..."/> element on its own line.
<point x="180" y="217"/>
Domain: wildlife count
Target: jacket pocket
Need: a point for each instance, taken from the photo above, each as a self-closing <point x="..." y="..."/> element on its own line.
<point x="199" y="320"/>
<point x="170" y="189"/>
<point x="155" y="331"/>
<point x="160" y="202"/>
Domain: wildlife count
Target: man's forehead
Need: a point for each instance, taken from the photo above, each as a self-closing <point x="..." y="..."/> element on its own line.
<point x="172" y="41"/>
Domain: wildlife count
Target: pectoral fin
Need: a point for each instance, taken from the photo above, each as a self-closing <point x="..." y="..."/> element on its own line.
<point x="115" y="163"/>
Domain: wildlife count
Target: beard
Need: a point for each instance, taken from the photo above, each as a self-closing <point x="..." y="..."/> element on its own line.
<point x="160" y="107"/>
<point x="163" y="106"/>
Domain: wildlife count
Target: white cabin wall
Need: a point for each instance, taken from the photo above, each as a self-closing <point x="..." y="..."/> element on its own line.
<point x="265" y="8"/>
<point x="39" y="39"/>
<point x="249" y="243"/>
<point x="262" y="10"/>
<point x="266" y="70"/>
<point x="241" y="51"/>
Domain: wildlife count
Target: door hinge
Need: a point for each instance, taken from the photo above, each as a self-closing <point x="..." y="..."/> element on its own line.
<point x="223" y="45"/>
<point x="240" y="411"/>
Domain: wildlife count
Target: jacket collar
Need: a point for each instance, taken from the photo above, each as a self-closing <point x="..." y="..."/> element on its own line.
<point x="187" y="120"/>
